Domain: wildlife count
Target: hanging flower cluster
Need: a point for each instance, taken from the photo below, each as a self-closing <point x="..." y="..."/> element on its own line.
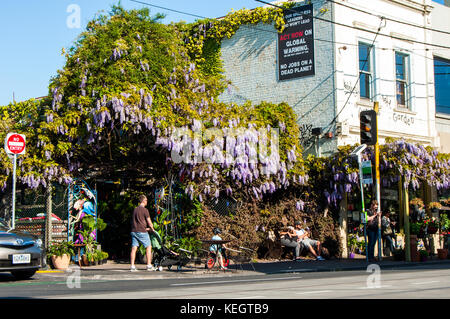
<point x="411" y="163"/>
<point x="129" y="83"/>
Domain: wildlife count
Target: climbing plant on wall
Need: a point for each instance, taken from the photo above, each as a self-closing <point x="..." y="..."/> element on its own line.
<point x="129" y="81"/>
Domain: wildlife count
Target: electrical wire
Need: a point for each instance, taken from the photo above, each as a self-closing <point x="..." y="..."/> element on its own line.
<point x="316" y="39"/>
<point x="270" y="31"/>
<point x="389" y="19"/>
<point x="357" y="28"/>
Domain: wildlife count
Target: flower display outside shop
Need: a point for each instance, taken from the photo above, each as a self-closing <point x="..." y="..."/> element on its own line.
<point x="430" y="225"/>
<point x="434" y="205"/>
<point x="142" y="98"/>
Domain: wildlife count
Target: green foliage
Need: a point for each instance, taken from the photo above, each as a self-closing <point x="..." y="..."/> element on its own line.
<point x="444" y="222"/>
<point x="415" y="228"/>
<point x="189" y="243"/>
<point x="60" y="248"/>
<point x="352" y="242"/>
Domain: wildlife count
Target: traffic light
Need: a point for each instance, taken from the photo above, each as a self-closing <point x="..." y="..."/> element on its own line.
<point x="368" y="127"/>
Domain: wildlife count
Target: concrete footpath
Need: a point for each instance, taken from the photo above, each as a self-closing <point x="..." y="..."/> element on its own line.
<point x="121" y="270"/>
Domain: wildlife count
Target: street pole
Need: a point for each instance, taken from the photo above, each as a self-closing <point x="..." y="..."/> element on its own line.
<point x="377" y="185"/>
<point x="13" y="221"/>
<point x="361" y="186"/>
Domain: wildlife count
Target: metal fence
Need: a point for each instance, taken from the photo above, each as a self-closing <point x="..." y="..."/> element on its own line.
<point x="33" y="207"/>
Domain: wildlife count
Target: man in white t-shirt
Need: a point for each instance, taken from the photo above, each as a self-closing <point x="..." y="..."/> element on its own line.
<point x="308" y="243"/>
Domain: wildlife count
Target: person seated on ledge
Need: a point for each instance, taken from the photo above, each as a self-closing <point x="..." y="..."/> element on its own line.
<point x="307" y="242"/>
<point x="289" y="238"/>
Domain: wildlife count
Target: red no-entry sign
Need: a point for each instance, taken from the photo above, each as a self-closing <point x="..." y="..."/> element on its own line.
<point x="15" y="143"/>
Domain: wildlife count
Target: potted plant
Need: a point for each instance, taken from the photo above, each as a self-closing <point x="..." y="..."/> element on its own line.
<point x="399" y="254"/>
<point x="103" y="257"/>
<point x="415" y="228"/>
<point x="423" y="255"/>
<point x="352" y="244"/>
<point x="434" y="207"/>
<point x="416" y="203"/>
<point x="60" y="253"/>
<point x="90" y="226"/>
<point x="444" y="226"/>
<point x="430" y="225"/>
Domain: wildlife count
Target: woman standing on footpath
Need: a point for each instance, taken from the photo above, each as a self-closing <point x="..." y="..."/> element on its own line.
<point x="373" y="218"/>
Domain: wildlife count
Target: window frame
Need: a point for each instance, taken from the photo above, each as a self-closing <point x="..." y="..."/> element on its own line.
<point x="447" y="62"/>
<point x="369" y="72"/>
<point x="405" y="81"/>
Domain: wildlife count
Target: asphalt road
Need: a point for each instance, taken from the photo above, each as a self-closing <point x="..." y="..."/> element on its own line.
<point x="419" y="282"/>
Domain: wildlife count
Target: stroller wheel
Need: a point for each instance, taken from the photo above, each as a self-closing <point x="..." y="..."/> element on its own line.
<point x="179" y="267"/>
<point x="169" y="267"/>
<point x="160" y="268"/>
<point x="210" y="263"/>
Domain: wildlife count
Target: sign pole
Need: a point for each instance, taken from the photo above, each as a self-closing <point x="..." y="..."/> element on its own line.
<point x="362" y="204"/>
<point x="14" y="145"/>
<point x="13" y="221"/>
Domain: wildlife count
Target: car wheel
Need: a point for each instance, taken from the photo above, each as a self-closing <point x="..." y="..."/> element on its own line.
<point x="23" y="274"/>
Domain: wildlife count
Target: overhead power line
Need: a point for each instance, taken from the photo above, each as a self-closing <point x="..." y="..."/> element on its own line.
<point x="358" y="28"/>
<point x="388" y="19"/>
<point x="168" y="9"/>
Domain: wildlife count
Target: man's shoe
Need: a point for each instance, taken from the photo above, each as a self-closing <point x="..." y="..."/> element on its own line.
<point x="133" y="269"/>
<point x="320" y="258"/>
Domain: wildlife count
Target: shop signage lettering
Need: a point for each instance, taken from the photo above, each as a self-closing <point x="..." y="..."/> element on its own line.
<point x="296" y="44"/>
<point x="408" y="120"/>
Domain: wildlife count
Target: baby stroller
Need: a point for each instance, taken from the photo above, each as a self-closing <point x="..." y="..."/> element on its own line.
<point x="164" y="257"/>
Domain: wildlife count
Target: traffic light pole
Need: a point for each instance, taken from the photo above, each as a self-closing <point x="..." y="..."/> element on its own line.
<point x="377" y="185"/>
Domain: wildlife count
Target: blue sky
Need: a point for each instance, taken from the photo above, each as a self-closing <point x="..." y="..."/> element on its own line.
<point x="34" y="32"/>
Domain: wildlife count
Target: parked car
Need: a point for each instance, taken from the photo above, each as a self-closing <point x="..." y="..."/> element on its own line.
<point x="20" y="253"/>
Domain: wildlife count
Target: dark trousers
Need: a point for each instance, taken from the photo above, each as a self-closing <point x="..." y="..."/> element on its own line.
<point x="389" y="242"/>
<point x="293" y="244"/>
<point x="372" y="236"/>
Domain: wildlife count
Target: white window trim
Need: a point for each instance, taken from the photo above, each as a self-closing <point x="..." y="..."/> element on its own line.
<point x="409" y="89"/>
<point x="372" y="88"/>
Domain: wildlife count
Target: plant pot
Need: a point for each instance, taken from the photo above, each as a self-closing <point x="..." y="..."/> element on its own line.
<point x="61" y="262"/>
<point x="413" y="248"/>
<point x="84" y="261"/>
<point x="442" y="253"/>
<point x="399" y="255"/>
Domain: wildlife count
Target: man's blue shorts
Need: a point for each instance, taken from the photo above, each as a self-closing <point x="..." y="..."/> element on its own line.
<point x="142" y="238"/>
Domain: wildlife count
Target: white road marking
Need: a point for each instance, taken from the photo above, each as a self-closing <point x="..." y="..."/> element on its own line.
<point x="424" y="282"/>
<point x="250" y="297"/>
<point x="232" y="281"/>
<point x="383" y="286"/>
<point x="313" y="292"/>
